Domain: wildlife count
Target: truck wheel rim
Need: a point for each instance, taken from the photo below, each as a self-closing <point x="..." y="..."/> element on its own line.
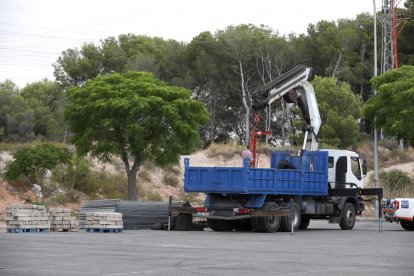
<point x="349" y="216"/>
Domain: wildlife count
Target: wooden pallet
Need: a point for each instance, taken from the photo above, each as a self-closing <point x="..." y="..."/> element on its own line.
<point x="23" y="230"/>
<point x="64" y="229"/>
<point x="104" y="230"/>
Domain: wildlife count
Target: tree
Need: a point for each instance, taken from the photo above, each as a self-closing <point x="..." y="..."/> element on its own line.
<point x="340" y="110"/>
<point x="136" y="117"/>
<point x="46" y="99"/>
<point x="7" y="91"/>
<point x="32" y="162"/>
<point x="393" y="106"/>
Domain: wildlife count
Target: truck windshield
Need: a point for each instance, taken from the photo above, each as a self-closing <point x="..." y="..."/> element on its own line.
<point x="356" y="169"/>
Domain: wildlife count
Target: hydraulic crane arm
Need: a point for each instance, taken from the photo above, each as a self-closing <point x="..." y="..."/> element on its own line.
<point x="294" y="87"/>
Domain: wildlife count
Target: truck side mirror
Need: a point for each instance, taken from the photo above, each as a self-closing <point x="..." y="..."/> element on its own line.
<point x="364" y="166"/>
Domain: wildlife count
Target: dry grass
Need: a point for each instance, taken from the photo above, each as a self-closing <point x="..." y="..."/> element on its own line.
<point x="387" y="156"/>
<point x="225" y="150"/>
<point x="230" y="150"/>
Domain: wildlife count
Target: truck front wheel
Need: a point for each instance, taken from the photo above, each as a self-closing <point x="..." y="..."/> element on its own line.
<point x="348" y="217"/>
<point x="407" y="225"/>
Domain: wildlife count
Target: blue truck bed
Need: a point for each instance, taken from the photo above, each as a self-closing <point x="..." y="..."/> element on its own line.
<point x="308" y="175"/>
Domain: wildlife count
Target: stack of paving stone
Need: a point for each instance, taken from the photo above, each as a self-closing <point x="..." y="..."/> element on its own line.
<point x="61" y="220"/>
<point x="96" y="206"/>
<point x="27" y="218"/>
<point x="103" y="222"/>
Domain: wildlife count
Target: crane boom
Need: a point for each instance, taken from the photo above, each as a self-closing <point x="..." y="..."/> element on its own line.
<point x="294" y="87"/>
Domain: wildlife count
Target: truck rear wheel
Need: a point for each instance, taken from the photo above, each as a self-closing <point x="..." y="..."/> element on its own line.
<point x="267" y="224"/>
<point x="348" y="217"/>
<point x="285" y="225"/>
<point x="407" y="225"/>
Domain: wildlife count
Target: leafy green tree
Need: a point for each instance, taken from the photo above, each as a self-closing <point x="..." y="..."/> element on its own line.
<point x="340" y="111"/>
<point x="136" y="117"/>
<point x="19" y="120"/>
<point x="7" y="91"/>
<point x="47" y="100"/>
<point x="405" y="42"/>
<point x="393" y="106"/>
<point x="32" y="162"/>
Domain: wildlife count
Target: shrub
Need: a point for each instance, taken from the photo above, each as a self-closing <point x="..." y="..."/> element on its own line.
<point x="147" y="194"/>
<point x="60" y="199"/>
<point x="33" y="162"/>
<point x="74" y="174"/>
<point x="170" y="179"/>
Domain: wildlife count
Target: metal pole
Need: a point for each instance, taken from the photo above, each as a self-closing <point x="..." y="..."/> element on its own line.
<point x="292" y="217"/>
<point x="375" y="127"/>
<point x="169" y="212"/>
<point x="380" y="214"/>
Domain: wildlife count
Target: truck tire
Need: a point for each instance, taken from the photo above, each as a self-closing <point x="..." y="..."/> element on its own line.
<point x="348" y="217"/>
<point x="267" y="224"/>
<point x="304" y="222"/>
<point x="285" y="225"/>
<point x="256" y="225"/>
<point x="407" y="225"/>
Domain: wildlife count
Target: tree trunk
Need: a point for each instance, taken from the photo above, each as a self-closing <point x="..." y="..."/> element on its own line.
<point x="132" y="185"/>
<point x="246" y="106"/>
<point x="132" y="175"/>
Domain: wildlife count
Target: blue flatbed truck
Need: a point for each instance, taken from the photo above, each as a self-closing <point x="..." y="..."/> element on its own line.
<point x="316" y="184"/>
<point x="259" y="199"/>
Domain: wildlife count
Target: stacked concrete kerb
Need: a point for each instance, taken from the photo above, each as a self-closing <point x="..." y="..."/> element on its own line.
<point x="27" y="218"/>
<point x="104" y="222"/>
<point x="62" y="220"/>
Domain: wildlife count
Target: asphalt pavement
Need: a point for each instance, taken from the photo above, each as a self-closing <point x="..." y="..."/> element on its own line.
<point x="323" y="249"/>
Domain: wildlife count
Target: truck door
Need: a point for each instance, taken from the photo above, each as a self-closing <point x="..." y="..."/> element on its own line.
<point x="341" y="172"/>
<point x="356" y="175"/>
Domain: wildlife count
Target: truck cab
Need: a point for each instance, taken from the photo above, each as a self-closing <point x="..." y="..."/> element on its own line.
<point x="345" y="169"/>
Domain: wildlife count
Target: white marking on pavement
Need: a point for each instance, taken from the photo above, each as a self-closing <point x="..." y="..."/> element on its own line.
<point x="169" y="269"/>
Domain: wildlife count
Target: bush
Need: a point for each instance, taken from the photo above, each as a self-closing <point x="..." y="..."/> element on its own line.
<point x="170" y="179"/>
<point x="60" y="199"/>
<point x="74" y="174"/>
<point x="148" y="194"/>
<point x="102" y="184"/>
<point x="33" y="162"/>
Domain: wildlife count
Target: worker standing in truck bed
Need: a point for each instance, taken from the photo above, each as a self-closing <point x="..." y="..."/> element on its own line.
<point x="248" y="155"/>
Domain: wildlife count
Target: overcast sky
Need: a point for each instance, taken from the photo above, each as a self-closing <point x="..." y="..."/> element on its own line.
<point x="33" y="33"/>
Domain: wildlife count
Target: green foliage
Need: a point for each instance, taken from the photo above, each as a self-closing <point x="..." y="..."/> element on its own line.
<point x="105" y="185"/>
<point x="32" y="162"/>
<point x="35" y="112"/>
<point x="134" y="115"/>
<point x="393" y="106"/>
<point x="340" y="110"/>
<point x="396" y="183"/>
<point x="74" y="174"/>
